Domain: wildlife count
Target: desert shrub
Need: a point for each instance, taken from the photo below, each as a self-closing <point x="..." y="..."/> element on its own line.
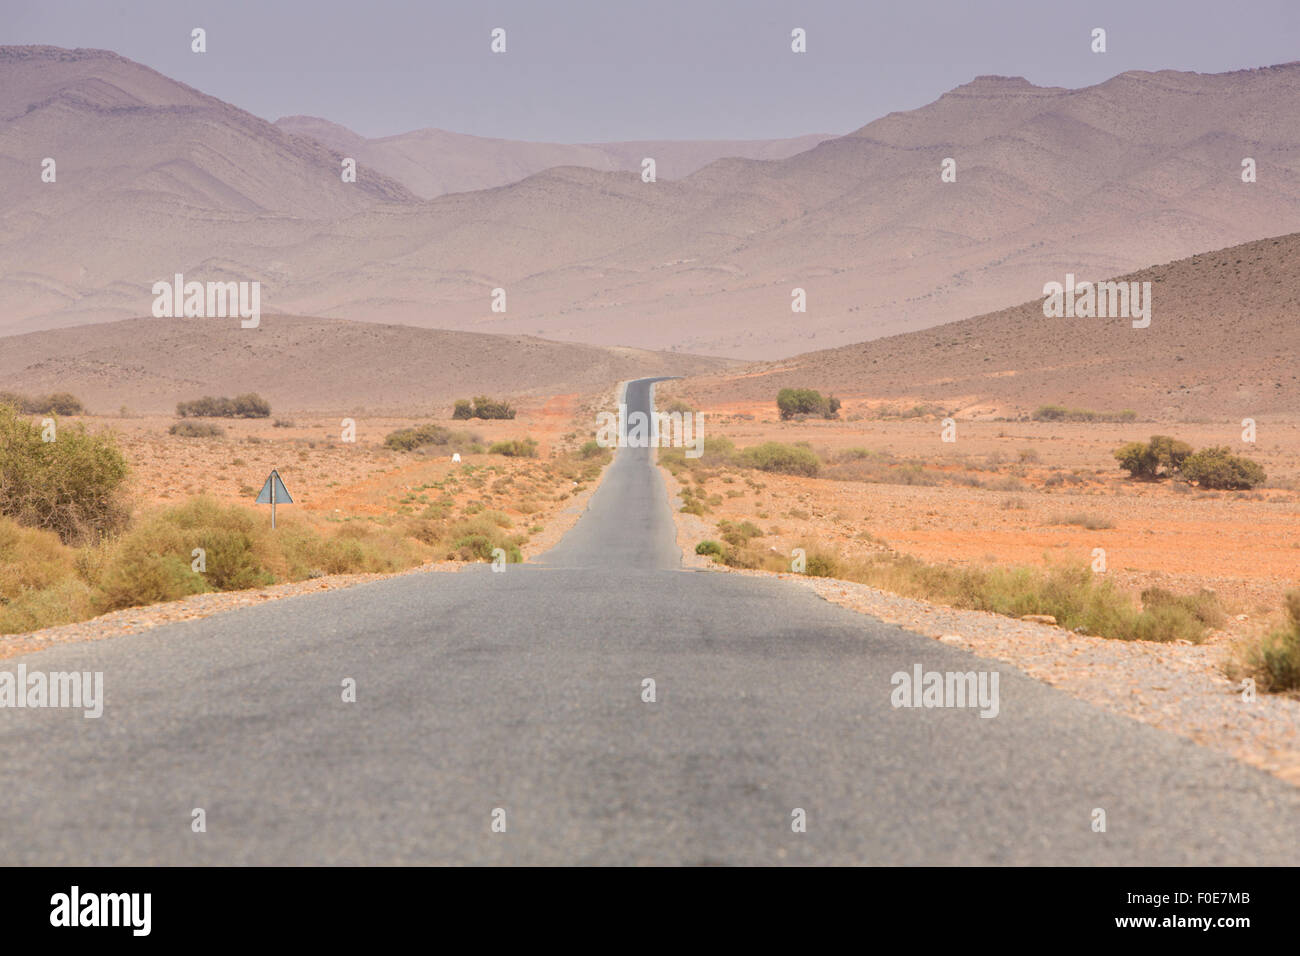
<point x="188" y="429"/>
<point x="1273" y="660"/>
<point x="711" y="548"/>
<point x="1091" y="522"/>
<point x="409" y="439"/>
<point x="248" y="405"/>
<point x="820" y="564"/>
<point x="1076" y="597"/>
<point x="739" y="534"/>
<point x="593" y="449"/>
<point x="1218" y="468"/>
<point x="152" y="562"/>
<point x="1203" y="605"/>
<point x="514" y="448"/>
<point x="482" y="407"/>
<point x="805" y="401"/>
<point x="62" y="602"/>
<point x="31" y="559"/>
<point x="1059" y="413"/>
<point x="251" y="405"/>
<point x="784" y="459"/>
<point x="677" y="406"/>
<point x="56" y="403"/>
<point x="72" y="486"/>
<point x="1161" y="455"/>
<point x="282" y="423"/>
<point x="474" y="539"/>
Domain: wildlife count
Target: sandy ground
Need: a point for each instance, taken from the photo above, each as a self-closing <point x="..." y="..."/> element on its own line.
<point x="1047" y="493"/>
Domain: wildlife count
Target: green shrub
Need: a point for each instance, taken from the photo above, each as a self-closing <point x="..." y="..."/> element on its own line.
<point x="820" y="564"/>
<point x="482" y="407"/>
<point x="784" y="459"/>
<point x="56" y="403"/>
<point x="1218" y="468"/>
<point x="187" y="429"/>
<point x="72" y="486"/>
<point x="409" y="439"/>
<point x="791" y="402"/>
<point x="514" y="448"/>
<point x="31" y="559"/>
<point x="1274" y="660"/>
<point x="1059" y="413"/>
<point x="1161" y="455"/>
<point x="248" y="405"/>
<point x="474" y="539"/>
<point x="711" y="548"/>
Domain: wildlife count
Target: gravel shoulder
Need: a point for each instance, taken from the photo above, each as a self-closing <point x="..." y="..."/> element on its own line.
<point x="1175" y="687"/>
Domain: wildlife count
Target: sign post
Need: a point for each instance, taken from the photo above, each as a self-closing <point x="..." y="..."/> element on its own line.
<point x="274" y="492"/>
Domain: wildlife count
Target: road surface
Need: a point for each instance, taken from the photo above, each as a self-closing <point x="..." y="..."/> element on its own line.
<point x="522" y="692"/>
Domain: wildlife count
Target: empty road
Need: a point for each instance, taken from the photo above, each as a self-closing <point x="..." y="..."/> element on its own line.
<point x="517" y="696"/>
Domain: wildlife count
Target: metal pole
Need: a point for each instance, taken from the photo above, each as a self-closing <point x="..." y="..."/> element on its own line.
<point x="272" y="500"/>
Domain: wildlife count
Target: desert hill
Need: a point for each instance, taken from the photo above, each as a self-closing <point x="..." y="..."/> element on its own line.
<point x="310" y="364"/>
<point x="1223" y="342"/>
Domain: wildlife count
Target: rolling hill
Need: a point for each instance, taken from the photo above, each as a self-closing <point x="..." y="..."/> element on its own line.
<point x="1223" y="342"/>
<point x="308" y="364"/>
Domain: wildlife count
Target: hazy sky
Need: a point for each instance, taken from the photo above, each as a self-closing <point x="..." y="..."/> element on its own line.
<point x="599" y="70"/>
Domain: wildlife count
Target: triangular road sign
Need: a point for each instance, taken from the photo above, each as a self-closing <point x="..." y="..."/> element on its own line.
<point x="274" y="492"/>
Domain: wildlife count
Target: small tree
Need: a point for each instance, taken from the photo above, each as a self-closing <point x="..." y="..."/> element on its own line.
<point x="1137" y="459"/>
<point x="463" y="409"/>
<point x="1147" y="460"/>
<point x="805" y="401"/>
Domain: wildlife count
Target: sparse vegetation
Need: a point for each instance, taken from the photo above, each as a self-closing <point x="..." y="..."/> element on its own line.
<point x="1059" y="413"/>
<point x="482" y="407"/>
<point x="56" y="403"/>
<point x="1274" y="659"/>
<point x="248" y="405"/>
<point x="1215" y="467"/>
<point x="1091" y="522"/>
<point x="189" y="429"/>
<point x="1218" y="468"/>
<point x="1075" y="596"/>
<point x="430" y="433"/>
<point x="794" y="402"/>
<point x="1162" y="455"/>
<point x="784" y="459"/>
<point x="514" y="448"/>
<point x="72" y="486"/>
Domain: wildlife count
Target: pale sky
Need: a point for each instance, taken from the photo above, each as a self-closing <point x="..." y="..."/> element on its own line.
<point x="602" y="70"/>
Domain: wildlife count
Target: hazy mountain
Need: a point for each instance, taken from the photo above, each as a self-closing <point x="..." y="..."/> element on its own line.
<point x="1144" y="167"/>
<point x="431" y="162"/>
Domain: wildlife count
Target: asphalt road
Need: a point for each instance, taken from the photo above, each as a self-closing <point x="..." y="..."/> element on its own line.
<point x="522" y="691"/>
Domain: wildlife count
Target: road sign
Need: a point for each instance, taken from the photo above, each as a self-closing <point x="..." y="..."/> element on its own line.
<point x="274" y="493"/>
